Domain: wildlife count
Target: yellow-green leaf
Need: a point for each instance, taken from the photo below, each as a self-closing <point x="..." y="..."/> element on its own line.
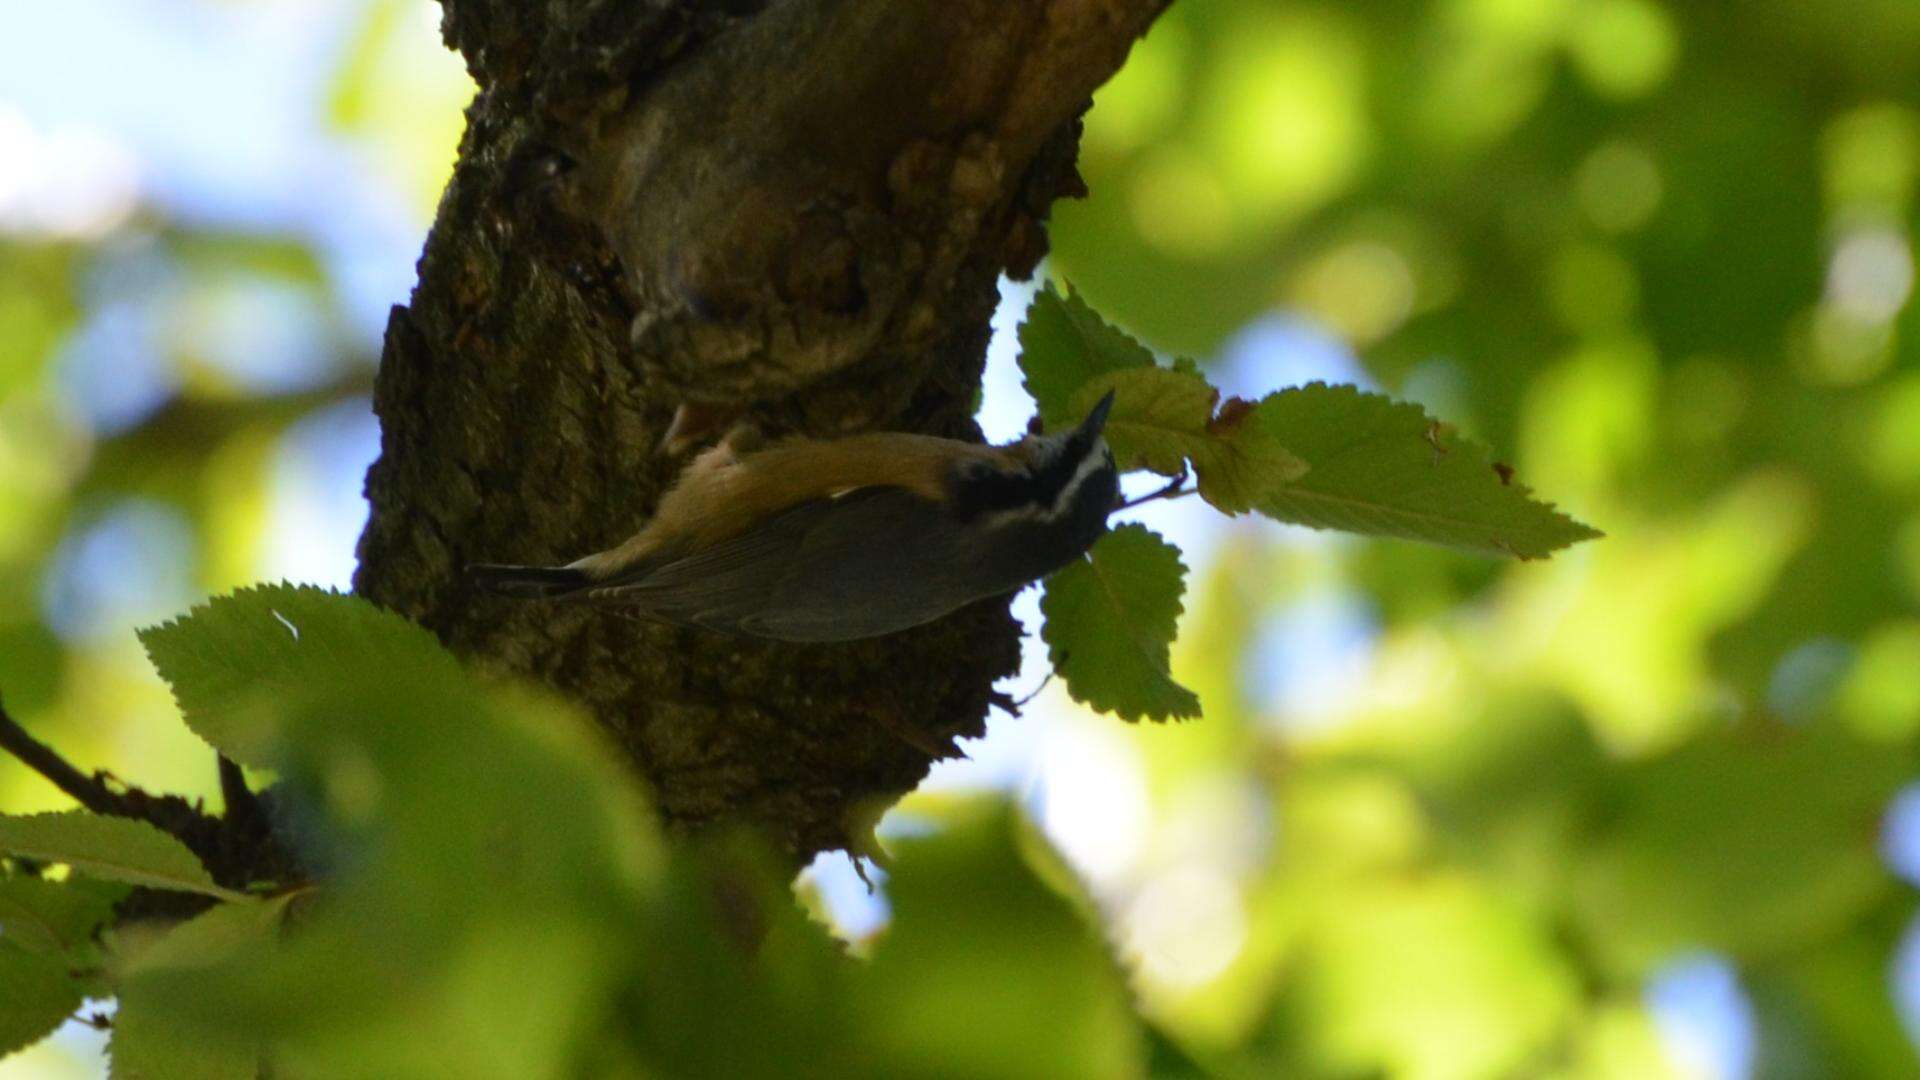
<point x="1064" y="344"/>
<point x="1386" y="468"/>
<point x="112" y="848"/>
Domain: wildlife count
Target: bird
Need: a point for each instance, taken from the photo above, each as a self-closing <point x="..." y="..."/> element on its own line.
<point x="816" y="540"/>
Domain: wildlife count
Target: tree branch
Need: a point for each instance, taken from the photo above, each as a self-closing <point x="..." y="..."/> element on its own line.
<point x="88" y="791"/>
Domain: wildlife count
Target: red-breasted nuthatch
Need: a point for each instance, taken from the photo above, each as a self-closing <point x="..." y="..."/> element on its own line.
<point x="831" y="540"/>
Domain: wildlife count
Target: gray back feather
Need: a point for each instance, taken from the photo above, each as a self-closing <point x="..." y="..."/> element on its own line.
<point x="868" y="562"/>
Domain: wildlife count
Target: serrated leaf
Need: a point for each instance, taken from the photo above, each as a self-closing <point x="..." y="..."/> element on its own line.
<point x="111" y="848"/>
<point x="443" y="891"/>
<point x="1110" y="619"/>
<point x="1242" y="463"/>
<point x="1162" y="419"/>
<point x="1158" y="416"/>
<point x="53" y="917"/>
<point x="234" y="661"/>
<point x="1063" y="345"/>
<point x="36" y="996"/>
<point x="1385" y="468"/>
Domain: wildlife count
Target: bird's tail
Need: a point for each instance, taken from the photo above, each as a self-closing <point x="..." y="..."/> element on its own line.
<point x="527" y="582"/>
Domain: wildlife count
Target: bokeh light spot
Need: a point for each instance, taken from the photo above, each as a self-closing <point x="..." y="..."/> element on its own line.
<point x="1892" y="440"/>
<point x="1704" y="1017"/>
<point x="1144" y="98"/>
<point x="317" y="509"/>
<point x="130" y="566"/>
<point x="1362" y="289"/>
<point x="1805" y="679"/>
<point x="1871" y="274"/>
<point x="66" y="182"/>
<point x="1900" y="834"/>
<point x="1623" y="48"/>
<point x="1871" y="156"/>
<point x="1880" y="696"/>
<point x="1593" y="289"/>
<point x="1179" y="204"/>
<point x="1185" y="926"/>
<point x="1619" y="186"/>
<point x="1093" y="799"/>
<point x="1291" y="129"/>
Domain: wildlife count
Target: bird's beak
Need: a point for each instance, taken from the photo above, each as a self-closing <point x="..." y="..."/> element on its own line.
<point x="1097" y="419"/>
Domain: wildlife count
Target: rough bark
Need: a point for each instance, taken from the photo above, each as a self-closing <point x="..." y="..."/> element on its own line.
<point x="798" y="207"/>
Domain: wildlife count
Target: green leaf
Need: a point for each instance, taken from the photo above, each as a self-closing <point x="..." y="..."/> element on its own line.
<point x="1164" y="418"/>
<point x="1385" y="468"/>
<point x="1064" y="344"/>
<point x="112" y="848"/>
<point x="235" y="661"/>
<point x="460" y="934"/>
<point x="53" y="917"/>
<point x="151" y="1042"/>
<point x="1158" y="415"/>
<point x="36" y="996"/>
<point x="213" y="935"/>
<point x="981" y="943"/>
<point x="1110" y="619"/>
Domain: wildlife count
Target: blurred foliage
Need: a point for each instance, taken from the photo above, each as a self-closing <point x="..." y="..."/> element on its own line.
<point x="497" y="903"/>
<point x="1659" y="255"/>
<point x="1656" y="254"/>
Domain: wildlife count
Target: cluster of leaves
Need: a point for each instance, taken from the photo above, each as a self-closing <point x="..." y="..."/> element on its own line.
<point x="483" y="892"/>
<point x="1329" y="457"/>
<point x="486" y="895"/>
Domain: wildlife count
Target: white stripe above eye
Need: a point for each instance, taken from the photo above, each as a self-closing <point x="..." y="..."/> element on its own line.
<point x="1096" y="458"/>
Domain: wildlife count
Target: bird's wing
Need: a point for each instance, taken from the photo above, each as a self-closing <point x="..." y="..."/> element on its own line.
<point x="863" y="563"/>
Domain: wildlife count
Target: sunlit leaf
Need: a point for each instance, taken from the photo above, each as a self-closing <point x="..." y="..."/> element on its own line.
<point x="1157" y="415"/>
<point x="112" y="848"/>
<point x="1386" y="468"/>
<point x="459" y="931"/>
<point x="1162" y="419"/>
<point x="1063" y="345"/>
<point x="235" y="661"/>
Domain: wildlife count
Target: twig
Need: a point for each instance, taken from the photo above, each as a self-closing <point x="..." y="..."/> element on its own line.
<point x="1173" y="490"/>
<point x="39" y="757"/>
<point x="1035" y="692"/>
<point x="243" y="810"/>
<point x="1006" y="703"/>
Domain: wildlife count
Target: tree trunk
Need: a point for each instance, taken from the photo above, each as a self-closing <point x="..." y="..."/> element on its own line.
<point x="799" y="207"/>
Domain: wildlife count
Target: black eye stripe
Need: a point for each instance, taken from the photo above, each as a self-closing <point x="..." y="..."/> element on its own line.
<point x="984" y="489"/>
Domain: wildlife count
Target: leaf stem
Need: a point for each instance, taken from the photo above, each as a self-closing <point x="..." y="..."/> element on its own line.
<point x="39" y="757"/>
<point x="1173" y="490"/>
